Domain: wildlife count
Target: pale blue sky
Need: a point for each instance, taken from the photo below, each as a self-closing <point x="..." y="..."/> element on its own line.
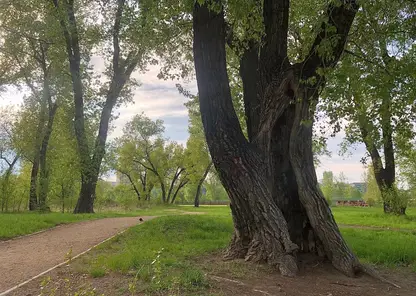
<point x="160" y="99"/>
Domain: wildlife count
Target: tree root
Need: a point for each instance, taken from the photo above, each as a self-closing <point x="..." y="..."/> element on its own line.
<point x="374" y="274"/>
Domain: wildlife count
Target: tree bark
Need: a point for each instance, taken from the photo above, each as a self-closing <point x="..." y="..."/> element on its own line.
<point x="277" y="207"/>
<point x="260" y="229"/>
<point x="200" y="183"/>
<point x="85" y="203"/>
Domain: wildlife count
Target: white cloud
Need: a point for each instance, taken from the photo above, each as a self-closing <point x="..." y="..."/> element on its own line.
<point x="159" y="99"/>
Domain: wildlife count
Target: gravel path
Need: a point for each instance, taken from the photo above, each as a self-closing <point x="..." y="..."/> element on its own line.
<point x="26" y="257"/>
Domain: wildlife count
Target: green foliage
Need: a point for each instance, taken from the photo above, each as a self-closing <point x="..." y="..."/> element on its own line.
<point x="149" y="161"/>
<point x="338" y="188"/>
<point x="170" y="268"/>
<point x="371" y="93"/>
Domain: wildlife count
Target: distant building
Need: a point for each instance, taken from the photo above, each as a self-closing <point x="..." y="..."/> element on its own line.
<point x="360" y="186"/>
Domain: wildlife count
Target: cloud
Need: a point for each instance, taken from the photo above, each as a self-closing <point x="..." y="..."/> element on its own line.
<point x="159" y="99"/>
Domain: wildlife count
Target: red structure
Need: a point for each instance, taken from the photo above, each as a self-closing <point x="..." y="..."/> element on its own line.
<point x="352" y="203"/>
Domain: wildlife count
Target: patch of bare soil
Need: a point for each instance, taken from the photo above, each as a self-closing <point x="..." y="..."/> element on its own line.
<point x="26" y="257"/>
<point x="315" y="279"/>
<point x="233" y="278"/>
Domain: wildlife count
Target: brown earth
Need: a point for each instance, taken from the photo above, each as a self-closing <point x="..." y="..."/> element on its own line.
<point x="233" y="278"/>
<point x="28" y="256"/>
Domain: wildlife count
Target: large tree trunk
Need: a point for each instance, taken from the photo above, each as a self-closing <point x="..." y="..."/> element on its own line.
<point x="285" y="187"/>
<point x="311" y="197"/>
<point x="200" y="183"/>
<point x="261" y="232"/>
<point x="277" y="207"/>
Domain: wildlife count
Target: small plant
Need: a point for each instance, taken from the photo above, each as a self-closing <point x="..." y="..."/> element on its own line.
<point x="68" y="255"/>
<point x="157" y="271"/>
<point x="66" y="289"/>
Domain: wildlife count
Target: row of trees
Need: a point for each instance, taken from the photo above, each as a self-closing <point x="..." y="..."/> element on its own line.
<point x="338" y="187"/>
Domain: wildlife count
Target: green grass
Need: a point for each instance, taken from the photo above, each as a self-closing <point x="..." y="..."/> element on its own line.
<point x="184" y="237"/>
<point x="164" y="248"/>
<point x="374" y="217"/>
<point x="390" y="248"/>
<point x="17" y="224"/>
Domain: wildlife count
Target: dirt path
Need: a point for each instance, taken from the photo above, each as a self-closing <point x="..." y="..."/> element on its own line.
<point x="26" y="257"/>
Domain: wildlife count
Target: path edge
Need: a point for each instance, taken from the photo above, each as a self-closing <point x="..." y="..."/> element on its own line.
<point x="4" y="293"/>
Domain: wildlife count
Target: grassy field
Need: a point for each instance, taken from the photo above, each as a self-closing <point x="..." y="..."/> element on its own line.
<point x="374" y="217"/>
<point x="166" y="252"/>
<point x="17" y="224"/>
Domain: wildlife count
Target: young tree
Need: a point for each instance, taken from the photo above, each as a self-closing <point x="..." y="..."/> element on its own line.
<point x="328" y="186"/>
<point x="38" y="64"/>
<point x="270" y="178"/>
<point x="372" y="91"/>
<point x="197" y="157"/>
<point x="143" y="145"/>
<point x="9" y="155"/>
<point x="372" y="194"/>
<point x="125" y="18"/>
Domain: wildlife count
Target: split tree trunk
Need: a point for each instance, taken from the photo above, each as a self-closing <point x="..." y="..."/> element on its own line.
<point x="277" y="206"/>
<point x="261" y="232"/>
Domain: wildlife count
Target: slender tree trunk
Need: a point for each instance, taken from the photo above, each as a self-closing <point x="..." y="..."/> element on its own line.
<point x="134" y="186"/>
<point x="33" y="195"/>
<point x="63" y="198"/>
<point x="175" y="194"/>
<point x="200" y="183"/>
<point x="172" y="183"/>
<point x="44" y="174"/>
<point x="6" y="185"/>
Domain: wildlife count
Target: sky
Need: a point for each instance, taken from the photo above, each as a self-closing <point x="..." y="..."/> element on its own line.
<point x="160" y="99"/>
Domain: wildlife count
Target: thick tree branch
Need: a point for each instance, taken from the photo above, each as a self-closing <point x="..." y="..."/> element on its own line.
<point x="334" y="34"/>
<point x="249" y="64"/>
<point x="276" y="23"/>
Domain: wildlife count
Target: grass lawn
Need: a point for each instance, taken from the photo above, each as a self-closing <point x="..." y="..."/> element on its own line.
<point x="160" y="253"/>
<point x="374" y="217"/>
<point x="174" y="253"/>
<point x="17" y="224"/>
<point x="163" y="252"/>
